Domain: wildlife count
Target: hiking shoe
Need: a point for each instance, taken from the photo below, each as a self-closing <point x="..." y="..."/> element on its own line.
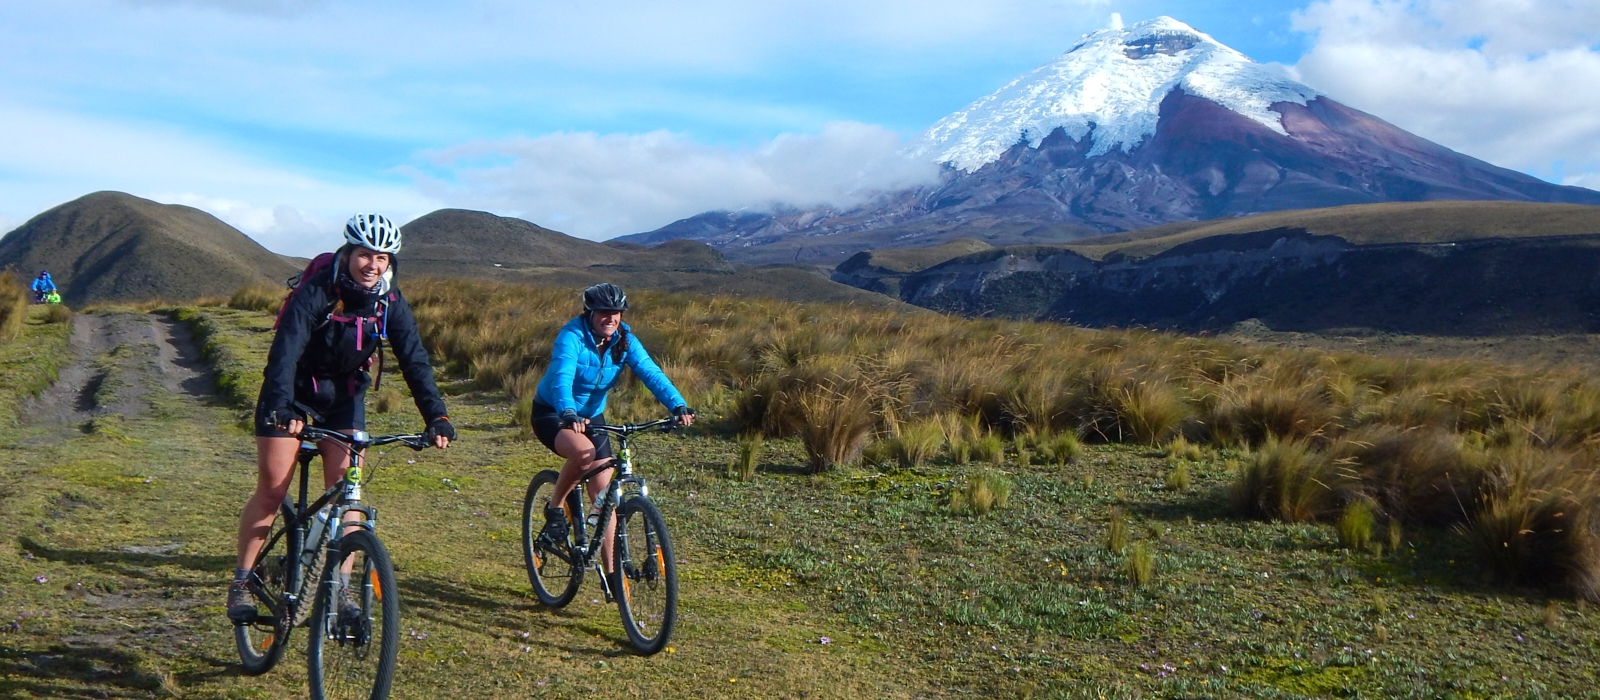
<point x="555" y="526"/>
<point x="241" y="602"/>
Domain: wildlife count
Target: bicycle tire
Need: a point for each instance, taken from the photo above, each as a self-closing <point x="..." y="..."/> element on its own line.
<point x="350" y="658"/>
<point x="554" y="581"/>
<point x="261" y="645"/>
<point x="648" y="599"/>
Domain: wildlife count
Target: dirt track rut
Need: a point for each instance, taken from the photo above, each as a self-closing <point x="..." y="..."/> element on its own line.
<point x="119" y="359"/>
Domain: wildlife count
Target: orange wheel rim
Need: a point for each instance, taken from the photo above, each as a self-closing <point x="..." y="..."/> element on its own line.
<point x="377" y="588"/>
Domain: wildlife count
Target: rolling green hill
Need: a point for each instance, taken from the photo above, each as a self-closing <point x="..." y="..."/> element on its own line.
<point x="110" y="246"/>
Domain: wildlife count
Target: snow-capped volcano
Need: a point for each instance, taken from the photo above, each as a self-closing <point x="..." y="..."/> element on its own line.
<point x="1152" y="124"/>
<point x="1109" y="88"/>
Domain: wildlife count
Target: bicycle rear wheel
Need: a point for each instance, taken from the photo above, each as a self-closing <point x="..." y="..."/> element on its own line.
<point x="355" y="628"/>
<point x="275" y="573"/>
<point x="648" y="599"/>
<point x="554" y="577"/>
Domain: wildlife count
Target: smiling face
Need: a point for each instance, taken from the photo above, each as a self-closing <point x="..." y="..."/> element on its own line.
<point x="367" y="266"/>
<point x="605" y="323"/>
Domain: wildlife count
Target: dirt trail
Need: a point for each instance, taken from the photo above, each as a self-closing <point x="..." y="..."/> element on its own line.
<point x="120" y="359"/>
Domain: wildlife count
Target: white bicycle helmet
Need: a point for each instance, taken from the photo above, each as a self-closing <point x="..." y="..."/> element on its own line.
<point x="373" y="231"/>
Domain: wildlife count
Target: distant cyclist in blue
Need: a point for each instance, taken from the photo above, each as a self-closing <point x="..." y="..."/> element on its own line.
<point x="585" y="364"/>
<point x="43" y="286"/>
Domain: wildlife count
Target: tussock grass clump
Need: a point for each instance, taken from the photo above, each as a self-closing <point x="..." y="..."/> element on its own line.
<point x="984" y="491"/>
<point x="918" y="443"/>
<point x="1060" y="448"/>
<point x="1356" y="525"/>
<point x="1178" y="478"/>
<point x="1538" y="522"/>
<point x="57" y="313"/>
<point x="387" y="401"/>
<point x="1181" y="449"/>
<point x="988" y="448"/>
<point x="1288" y="480"/>
<point x="1421" y="475"/>
<point x="258" y="298"/>
<point x="744" y="463"/>
<point x="1116" y="531"/>
<point x="835" y="426"/>
<point x="1141" y="564"/>
<point x="14" y="303"/>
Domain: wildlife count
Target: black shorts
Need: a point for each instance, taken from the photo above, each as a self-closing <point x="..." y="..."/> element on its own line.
<point x="546" y="423"/>
<point x="341" y="403"/>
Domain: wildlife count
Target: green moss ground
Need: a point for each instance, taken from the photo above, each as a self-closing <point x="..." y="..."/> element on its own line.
<point x="131" y="530"/>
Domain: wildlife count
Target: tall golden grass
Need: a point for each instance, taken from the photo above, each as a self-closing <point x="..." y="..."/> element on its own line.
<point x="1439" y="443"/>
<point x="14" y="301"/>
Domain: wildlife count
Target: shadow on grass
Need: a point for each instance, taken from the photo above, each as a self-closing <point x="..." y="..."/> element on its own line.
<point x="75" y="672"/>
<point x="128" y="563"/>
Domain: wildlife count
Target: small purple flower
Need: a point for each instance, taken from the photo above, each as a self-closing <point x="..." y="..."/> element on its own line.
<point x="824" y="640"/>
<point x="41" y="578"/>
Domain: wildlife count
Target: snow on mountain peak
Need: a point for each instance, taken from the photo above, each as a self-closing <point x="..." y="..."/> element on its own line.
<point x="1112" y="83"/>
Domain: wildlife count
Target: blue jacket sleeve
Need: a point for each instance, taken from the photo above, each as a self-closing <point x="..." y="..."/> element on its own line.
<point x="563" y="366"/>
<point x="650" y="373"/>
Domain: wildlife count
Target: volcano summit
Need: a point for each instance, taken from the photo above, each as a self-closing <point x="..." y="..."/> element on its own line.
<point x="1152" y="124"/>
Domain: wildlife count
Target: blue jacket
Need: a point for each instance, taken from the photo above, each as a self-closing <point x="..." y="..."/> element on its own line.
<point x="44" y="284"/>
<point x="580" y="375"/>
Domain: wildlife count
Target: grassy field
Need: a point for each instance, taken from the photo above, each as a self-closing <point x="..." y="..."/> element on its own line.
<point x="1107" y="575"/>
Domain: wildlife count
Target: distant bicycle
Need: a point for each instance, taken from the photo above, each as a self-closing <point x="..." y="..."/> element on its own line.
<point x="314" y="551"/>
<point x="646" y="591"/>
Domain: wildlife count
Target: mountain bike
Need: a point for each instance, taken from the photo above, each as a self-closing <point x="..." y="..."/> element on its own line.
<point x="646" y="591"/>
<point x="323" y="563"/>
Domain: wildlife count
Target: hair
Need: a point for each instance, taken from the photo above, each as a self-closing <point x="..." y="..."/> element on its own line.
<point x="619" y="342"/>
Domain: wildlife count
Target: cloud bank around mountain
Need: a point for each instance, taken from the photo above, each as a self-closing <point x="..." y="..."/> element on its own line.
<point x="1511" y="82"/>
<point x="601" y="186"/>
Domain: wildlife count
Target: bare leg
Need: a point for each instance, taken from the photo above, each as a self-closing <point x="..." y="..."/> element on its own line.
<point x="579" y="451"/>
<point x="274" y="466"/>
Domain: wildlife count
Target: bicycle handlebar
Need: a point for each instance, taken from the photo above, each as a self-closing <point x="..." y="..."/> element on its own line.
<point x="313" y="434"/>
<point x="665" y="424"/>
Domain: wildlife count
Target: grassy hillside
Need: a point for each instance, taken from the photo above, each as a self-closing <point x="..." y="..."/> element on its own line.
<point x="1370" y="224"/>
<point x="1318" y="434"/>
<point x="1106" y="570"/>
<point x="113" y="246"/>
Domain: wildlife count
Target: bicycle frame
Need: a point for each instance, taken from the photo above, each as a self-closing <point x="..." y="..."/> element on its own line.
<point x="347" y="492"/>
<point x="611" y="499"/>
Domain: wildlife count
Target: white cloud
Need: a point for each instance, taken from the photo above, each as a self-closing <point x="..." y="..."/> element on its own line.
<point x="601" y="186"/>
<point x="1508" y="81"/>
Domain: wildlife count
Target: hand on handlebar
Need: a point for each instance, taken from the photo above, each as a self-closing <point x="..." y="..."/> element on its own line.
<point x="439" y="433"/>
<point x="684" y="416"/>
<point x="570" y="420"/>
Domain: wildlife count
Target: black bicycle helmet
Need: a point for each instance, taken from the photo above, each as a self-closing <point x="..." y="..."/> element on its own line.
<point x="605" y="297"/>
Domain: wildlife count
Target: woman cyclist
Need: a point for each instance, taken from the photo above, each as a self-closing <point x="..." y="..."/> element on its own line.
<point x="330" y="326"/>
<point x="586" y="362"/>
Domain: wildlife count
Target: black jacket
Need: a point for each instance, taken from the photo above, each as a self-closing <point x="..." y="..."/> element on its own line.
<point x="308" y="344"/>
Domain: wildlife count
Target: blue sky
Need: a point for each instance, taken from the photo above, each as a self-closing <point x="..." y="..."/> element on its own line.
<point x="284" y="116"/>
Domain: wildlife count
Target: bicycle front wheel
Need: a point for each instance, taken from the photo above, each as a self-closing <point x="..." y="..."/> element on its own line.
<point x="274" y="574"/>
<point x="648" y="578"/>
<point x="551" y="570"/>
<point x="355" y="626"/>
